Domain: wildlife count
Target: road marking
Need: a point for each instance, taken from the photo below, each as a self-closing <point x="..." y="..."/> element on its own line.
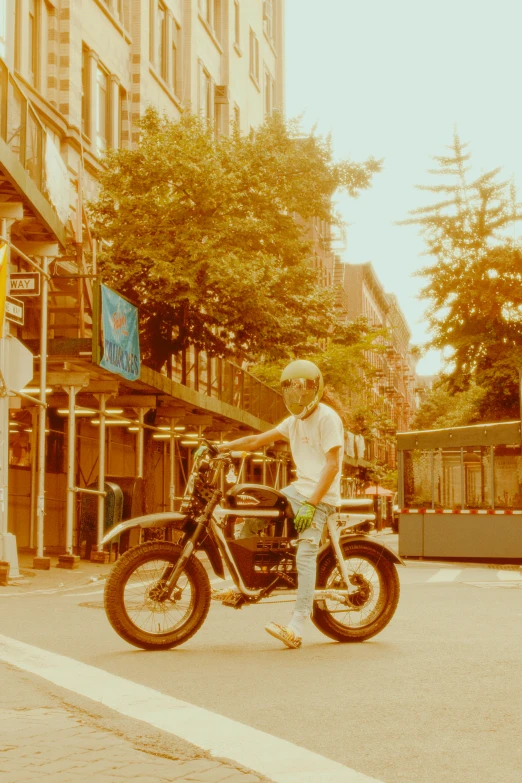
<point x="445" y="575"/>
<point x="43" y="591"/>
<point x="491" y="585"/>
<point x="279" y="760"/>
<point x="137" y="584"/>
<point x="509" y="576"/>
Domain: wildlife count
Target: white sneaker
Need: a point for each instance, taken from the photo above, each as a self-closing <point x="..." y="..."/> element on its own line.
<point x="284" y="634"/>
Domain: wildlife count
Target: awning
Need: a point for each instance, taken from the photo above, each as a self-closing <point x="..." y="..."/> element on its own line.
<point x="373" y="489"/>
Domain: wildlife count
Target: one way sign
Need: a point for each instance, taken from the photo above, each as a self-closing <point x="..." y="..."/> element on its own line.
<point x="25" y="283"/>
<point x="14" y="310"/>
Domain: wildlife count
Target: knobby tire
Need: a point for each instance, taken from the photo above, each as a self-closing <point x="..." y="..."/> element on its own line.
<point x="389" y="585"/>
<point x="114" y="602"/>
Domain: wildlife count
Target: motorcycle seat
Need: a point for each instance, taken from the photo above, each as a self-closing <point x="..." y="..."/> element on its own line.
<point x="356" y="505"/>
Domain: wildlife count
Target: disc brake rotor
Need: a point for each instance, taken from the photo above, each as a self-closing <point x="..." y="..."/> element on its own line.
<point x="363" y="594"/>
<point x="156" y="594"/>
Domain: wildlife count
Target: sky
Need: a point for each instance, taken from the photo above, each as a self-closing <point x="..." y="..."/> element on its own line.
<point x="392" y="79"/>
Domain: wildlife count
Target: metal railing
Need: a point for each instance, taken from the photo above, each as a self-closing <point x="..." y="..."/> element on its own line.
<point x="229" y="383"/>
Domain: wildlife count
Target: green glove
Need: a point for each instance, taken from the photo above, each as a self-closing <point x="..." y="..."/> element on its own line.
<point x="304" y="517"/>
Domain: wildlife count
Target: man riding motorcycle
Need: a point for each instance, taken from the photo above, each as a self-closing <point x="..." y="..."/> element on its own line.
<point x="316" y="437"/>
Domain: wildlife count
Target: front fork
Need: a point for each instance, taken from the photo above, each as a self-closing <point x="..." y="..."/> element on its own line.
<point x="171" y="574"/>
<point x="335" y="535"/>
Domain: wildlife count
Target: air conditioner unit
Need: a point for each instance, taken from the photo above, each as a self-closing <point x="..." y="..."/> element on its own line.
<point x="222" y="93"/>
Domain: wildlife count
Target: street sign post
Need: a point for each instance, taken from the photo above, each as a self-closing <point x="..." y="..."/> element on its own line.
<point x="14" y="310"/>
<point x="25" y="283"/>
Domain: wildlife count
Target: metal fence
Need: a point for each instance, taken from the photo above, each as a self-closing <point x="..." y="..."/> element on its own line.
<point x="229" y="383"/>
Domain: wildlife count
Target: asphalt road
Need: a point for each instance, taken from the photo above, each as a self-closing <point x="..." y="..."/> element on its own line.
<point x="436" y="697"/>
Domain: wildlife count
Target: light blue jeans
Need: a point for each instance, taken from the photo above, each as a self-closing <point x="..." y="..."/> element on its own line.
<point x="307" y="547"/>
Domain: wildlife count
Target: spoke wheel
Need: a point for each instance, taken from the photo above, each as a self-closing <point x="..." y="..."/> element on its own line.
<point x="374" y="594"/>
<point x="136" y="605"/>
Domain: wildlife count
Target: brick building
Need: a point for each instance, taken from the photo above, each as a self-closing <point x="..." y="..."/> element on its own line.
<point x="90" y="69"/>
<point x="391" y="389"/>
<point x="75" y="77"/>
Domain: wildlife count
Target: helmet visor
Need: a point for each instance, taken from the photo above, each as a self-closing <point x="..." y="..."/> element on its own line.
<point x="300" y="394"/>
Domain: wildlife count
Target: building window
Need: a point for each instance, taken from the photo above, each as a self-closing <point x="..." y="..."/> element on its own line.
<point x="216" y="22"/>
<point x="102" y="110"/>
<point x="3" y="27"/>
<point x="205" y="94"/>
<point x="33" y="36"/>
<point x="218" y="119"/>
<point x="237" y="24"/>
<point x="123" y="12"/>
<point x="122" y="118"/>
<point x="206" y="7"/>
<point x="160" y="58"/>
<point x="268" y="19"/>
<point x="254" y="56"/>
<point x="86" y="91"/>
<point x="18" y="34"/>
<point x="269" y="93"/>
<point x="158" y="37"/>
<point x="212" y="13"/>
<point x="175" y="57"/>
<point x="237" y="118"/>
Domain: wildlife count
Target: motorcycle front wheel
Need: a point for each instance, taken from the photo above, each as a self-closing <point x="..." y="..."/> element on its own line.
<point x="136" y="607"/>
<point x="374" y="594"/>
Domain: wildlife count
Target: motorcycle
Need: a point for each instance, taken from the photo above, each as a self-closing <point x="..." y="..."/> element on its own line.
<point x="158" y="593"/>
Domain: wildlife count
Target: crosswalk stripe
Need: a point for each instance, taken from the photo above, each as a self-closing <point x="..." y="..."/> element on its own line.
<point x="445" y="575"/>
<point x="279" y="760"/>
<point x="509" y="576"/>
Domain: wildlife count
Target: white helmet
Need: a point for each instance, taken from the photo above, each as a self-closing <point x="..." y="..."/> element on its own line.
<point x="302" y="387"/>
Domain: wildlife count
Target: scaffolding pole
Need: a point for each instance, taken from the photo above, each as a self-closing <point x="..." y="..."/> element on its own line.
<point x="10" y="212"/>
<point x="34" y="441"/>
<point x="101" y="472"/>
<point x="71" y="465"/>
<point x="172" y="466"/>
<point x="4" y="414"/>
<point x="140" y="443"/>
<point x="42" y="415"/>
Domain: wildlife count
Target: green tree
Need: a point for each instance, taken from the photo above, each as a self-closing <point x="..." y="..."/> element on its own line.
<point x="474" y="285"/>
<point x="345" y="366"/>
<point x="201" y="234"/>
<point x="442" y="408"/>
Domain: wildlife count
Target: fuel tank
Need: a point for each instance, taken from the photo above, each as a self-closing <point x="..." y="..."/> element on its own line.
<point x="248" y="497"/>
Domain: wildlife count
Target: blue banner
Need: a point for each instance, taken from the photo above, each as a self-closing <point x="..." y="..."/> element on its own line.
<point x="120" y="337"/>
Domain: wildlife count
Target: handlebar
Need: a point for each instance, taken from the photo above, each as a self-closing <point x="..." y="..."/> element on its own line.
<point x="216" y="452"/>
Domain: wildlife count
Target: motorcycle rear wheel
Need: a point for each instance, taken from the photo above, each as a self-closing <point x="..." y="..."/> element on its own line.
<point x="373" y="605"/>
<point x="142" y="618"/>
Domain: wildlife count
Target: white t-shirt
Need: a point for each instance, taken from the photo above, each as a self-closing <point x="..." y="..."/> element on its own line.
<point x="310" y="440"/>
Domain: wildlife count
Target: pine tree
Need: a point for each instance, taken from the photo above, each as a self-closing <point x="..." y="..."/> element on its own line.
<point x="474" y="286"/>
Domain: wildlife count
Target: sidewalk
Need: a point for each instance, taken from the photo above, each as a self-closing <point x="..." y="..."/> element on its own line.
<point x="45" y="740"/>
<point x="55" y="579"/>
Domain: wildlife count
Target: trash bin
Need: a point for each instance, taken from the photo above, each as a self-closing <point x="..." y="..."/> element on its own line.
<point x="133" y="489"/>
<point x="88" y="526"/>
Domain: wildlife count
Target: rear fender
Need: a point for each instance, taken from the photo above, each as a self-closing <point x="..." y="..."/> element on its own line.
<point x="380" y="549"/>
<point x="147" y="521"/>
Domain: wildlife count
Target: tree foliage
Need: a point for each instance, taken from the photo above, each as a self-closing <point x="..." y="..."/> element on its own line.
<point x="442" y="408"/>
<point x="474" y="286"/>
<point x="201" y="234"/>
<point x="346" y="369"/>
